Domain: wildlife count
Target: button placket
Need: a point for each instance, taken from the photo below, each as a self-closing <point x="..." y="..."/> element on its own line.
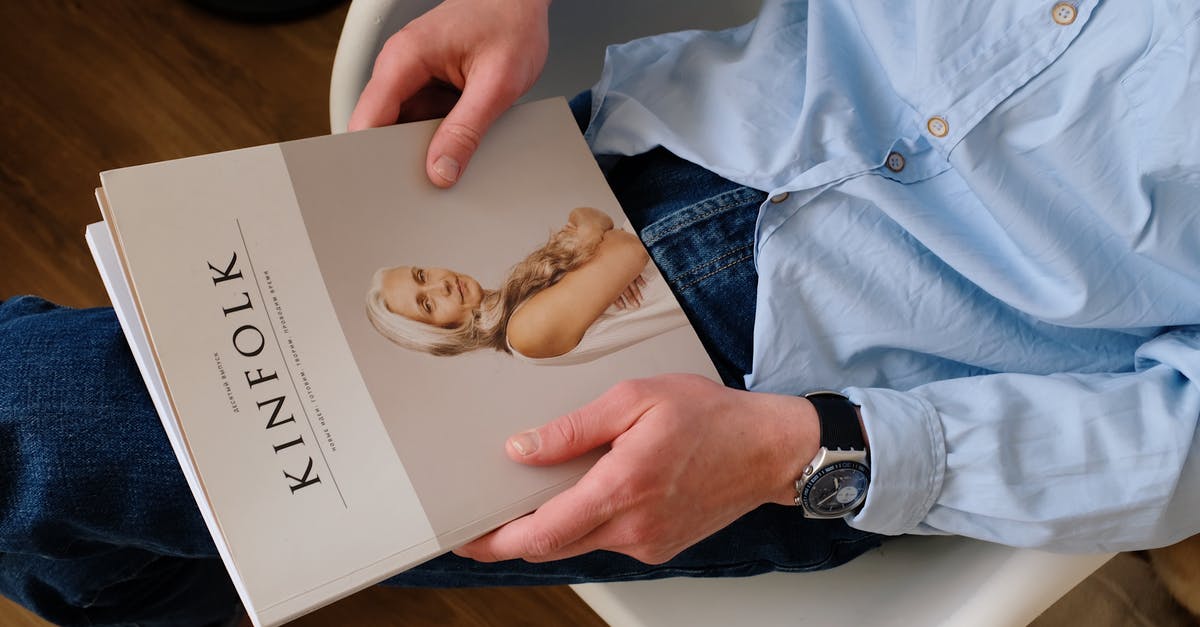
<point x="1062" y="13"/>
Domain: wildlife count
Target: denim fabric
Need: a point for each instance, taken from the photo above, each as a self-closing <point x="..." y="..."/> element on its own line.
<point x="97" y="525"/>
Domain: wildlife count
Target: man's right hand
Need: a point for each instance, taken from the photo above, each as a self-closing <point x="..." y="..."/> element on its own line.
<point x="468" y="60"/>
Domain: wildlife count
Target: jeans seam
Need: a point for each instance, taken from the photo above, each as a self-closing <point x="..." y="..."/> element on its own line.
<point x="721" y="204"/>
<point x="721" y="569"/>
<point x="735" y="262"/>
<point x="123" y="579"/>
<point x="717" y="259"/>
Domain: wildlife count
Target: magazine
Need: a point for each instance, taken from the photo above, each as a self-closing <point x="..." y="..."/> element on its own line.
<point x="290" y="307"/>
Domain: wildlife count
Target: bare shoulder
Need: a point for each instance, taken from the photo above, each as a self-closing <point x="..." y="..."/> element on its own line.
<point x="530" y="335"/>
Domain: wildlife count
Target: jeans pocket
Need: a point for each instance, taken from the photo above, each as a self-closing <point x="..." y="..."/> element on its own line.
<point x="705" y="251"/>
<point x="699" y="229"/>
<point x="698" y="243"/>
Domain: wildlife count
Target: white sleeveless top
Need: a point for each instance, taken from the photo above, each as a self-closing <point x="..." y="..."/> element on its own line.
<point x="619" y="328"/>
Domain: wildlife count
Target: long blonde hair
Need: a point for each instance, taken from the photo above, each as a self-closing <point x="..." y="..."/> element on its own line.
<point x="486" y="326"/>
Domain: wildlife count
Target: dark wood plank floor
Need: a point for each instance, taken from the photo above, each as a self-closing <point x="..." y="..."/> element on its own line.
<point x="87" y="86"/>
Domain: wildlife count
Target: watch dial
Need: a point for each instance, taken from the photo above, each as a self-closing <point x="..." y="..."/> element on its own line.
<point x="837" y="489"/>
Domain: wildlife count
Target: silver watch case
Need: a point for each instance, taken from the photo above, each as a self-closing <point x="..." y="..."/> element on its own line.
<point x="834" y="484"/>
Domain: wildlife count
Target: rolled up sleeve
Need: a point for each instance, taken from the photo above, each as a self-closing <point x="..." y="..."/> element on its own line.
<point x="1079" y="462"/>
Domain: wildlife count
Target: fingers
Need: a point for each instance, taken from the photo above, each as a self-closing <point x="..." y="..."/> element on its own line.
<point x="493" y="50"/>
<point x="578" y="432"/>
<point x="631" y="298"/>
<point x="635" y="291"/>
<point x="545" y="533"/>
<point x="486" y="95"/>
<point x="653" y="494"/>
<point x="397" y="76"/>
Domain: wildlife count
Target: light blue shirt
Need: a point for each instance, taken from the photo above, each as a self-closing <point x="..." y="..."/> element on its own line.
<point x="984" y="227"/>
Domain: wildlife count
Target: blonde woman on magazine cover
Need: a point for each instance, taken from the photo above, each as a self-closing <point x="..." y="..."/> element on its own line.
<point x="589" y="291"/>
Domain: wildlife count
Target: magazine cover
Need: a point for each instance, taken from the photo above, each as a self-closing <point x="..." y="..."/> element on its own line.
<point x="344" y="348"/>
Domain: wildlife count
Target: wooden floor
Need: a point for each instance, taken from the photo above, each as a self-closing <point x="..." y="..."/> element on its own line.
<point x="88" y="86"/>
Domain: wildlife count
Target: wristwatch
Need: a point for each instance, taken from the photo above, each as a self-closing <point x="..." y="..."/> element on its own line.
<point x="835" y="482"/>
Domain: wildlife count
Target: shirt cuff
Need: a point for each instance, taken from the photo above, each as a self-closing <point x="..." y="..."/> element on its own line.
<point x="908" y="460"/>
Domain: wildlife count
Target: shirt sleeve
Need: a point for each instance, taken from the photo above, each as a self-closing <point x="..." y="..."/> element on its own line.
<point x="1070" y="462"/>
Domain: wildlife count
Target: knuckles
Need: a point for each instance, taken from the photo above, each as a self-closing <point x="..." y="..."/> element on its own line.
<point x="567" y="430"/>
<point x="630" y="391"/>
<point x="542" y="543"/>
<point x="518" y="77"/>
<point x="401" y="44"/>
<point x="663" y="389"/>
<point x="465" y="136"/>
<point x="652" y="556"/>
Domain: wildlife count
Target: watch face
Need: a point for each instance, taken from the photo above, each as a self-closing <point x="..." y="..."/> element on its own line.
<point x="836" y="489"/>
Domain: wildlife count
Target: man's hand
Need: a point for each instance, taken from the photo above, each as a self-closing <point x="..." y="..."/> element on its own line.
<point x="490" y="51"/>
<point x="688" y="457"/>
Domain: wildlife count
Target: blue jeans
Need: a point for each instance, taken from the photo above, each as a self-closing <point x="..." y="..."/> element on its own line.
<point x="97" y="525"/>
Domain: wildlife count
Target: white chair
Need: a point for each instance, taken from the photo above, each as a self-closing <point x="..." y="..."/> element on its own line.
<point x="579" y="31"/>
<point x="910" y="581"/>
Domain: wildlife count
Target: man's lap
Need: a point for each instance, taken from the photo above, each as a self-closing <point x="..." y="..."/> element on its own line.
<point x="87" y="473"/>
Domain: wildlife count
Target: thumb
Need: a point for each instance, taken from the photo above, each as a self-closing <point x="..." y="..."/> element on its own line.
<point x="580" y="431"/>
<point x="485" y="96"/>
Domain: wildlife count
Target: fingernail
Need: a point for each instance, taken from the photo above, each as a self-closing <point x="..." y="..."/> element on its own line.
<point x="526" y="443"/>
<point x="446" y="167"/>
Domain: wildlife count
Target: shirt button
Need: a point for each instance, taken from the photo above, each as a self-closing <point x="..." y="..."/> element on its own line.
<point x="937" y="126"/>
<point x="1063" y="13"/>
<point x="894" y="162"/>
<point x="778" y="198"/>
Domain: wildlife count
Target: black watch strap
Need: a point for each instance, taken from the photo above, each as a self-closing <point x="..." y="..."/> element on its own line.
<point x="840" y="428"/>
